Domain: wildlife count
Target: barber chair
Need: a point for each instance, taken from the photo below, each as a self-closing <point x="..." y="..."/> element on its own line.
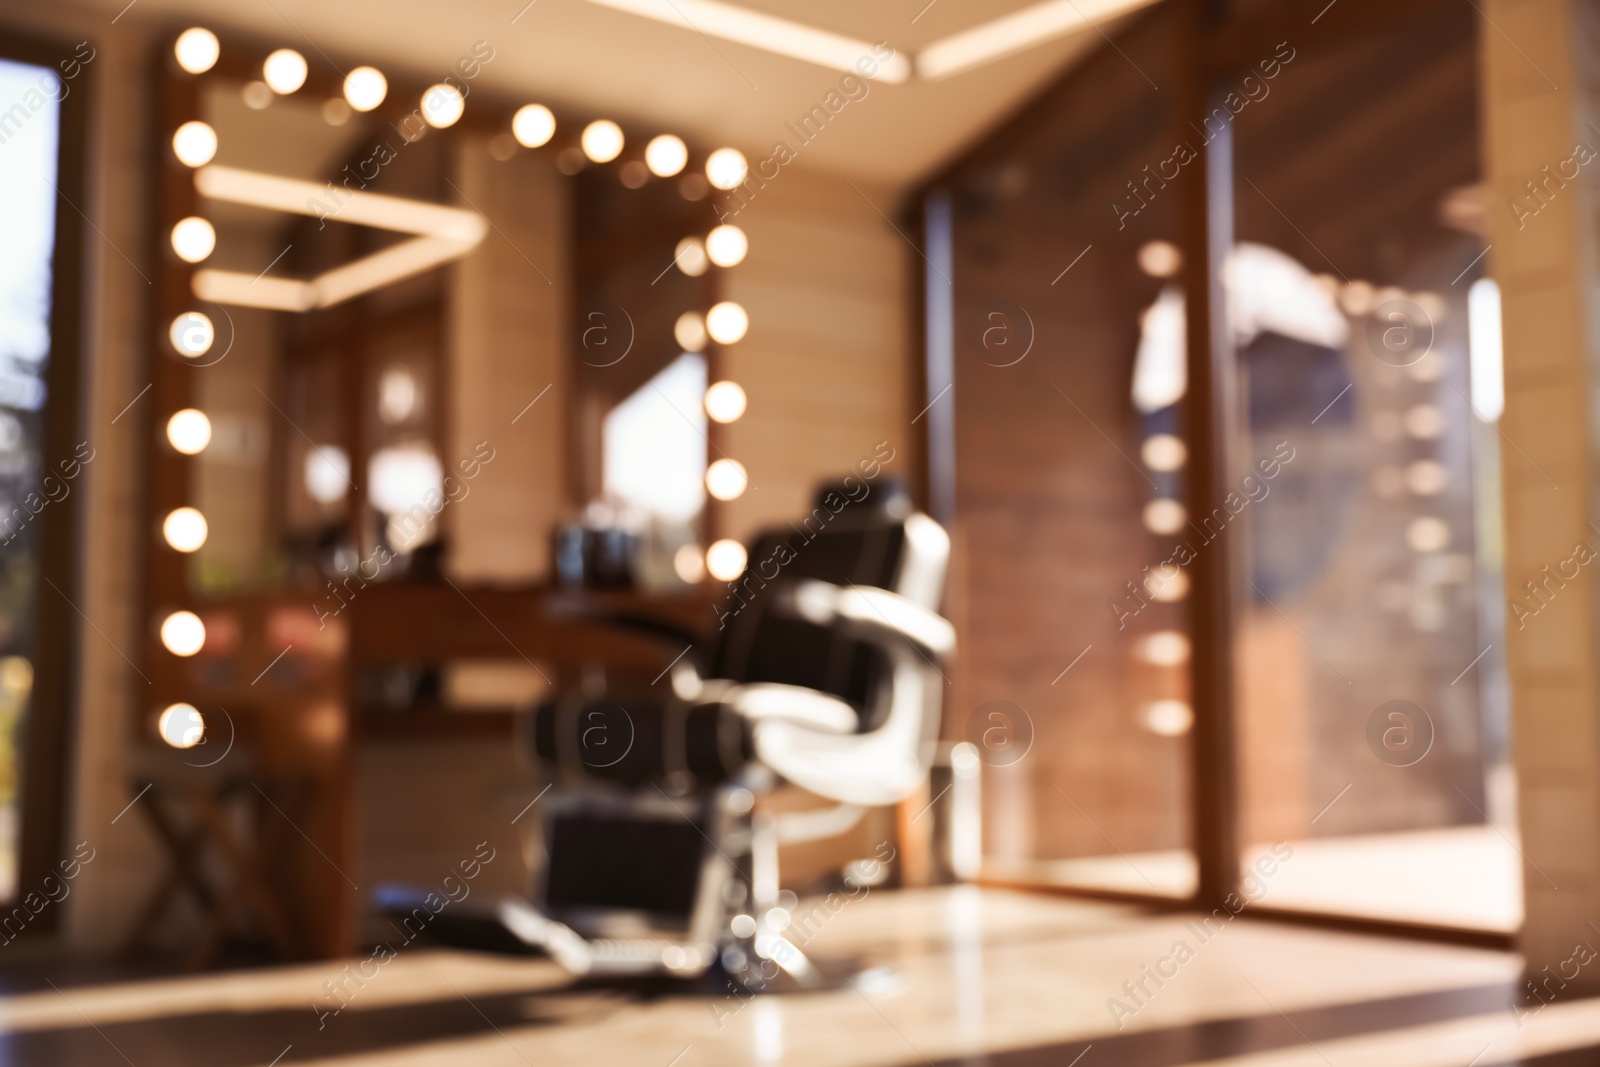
<point x="824" y="673"/>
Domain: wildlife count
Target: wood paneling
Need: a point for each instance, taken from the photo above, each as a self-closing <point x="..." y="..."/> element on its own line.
<point x="827" y="359"/>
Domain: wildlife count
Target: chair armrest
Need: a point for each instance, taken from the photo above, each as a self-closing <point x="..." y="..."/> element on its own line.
<point x="772" y="701"/>
<point x="874" y="611"/>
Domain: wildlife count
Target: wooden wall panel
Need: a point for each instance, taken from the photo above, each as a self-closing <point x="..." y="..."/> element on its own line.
<point x="827" y="361"/>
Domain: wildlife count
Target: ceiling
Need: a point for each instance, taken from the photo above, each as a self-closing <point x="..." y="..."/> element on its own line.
<point x="600" y="61"/>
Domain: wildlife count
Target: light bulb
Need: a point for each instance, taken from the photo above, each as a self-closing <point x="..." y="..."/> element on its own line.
<point x="182" y="633"/>
<point x="726" y="559"/>
<point x="284" y="71"/>
<point x="189" y="431"/>
<point x="726" y="168"/>
<point x="727" y="246"/>
<point x="1164" y="516"/>
<point x="1160" y="259"/>
<point x="533" y="125"/>
<point x="191" y="334"/>
<point x="1428" y="534"/>
<point x="193" y="239"/>
<point x="327" y="473"/>
<point x="1168" y="718"/>
<point x="184" y="529"/>
<point x="194" y="143"/>
<point x="1163" y="452"/>
<point x="726" y="479"/>
<point x="727" y="323"/>
<point x="602" y="140"/>
<point x="725" y="401"/>
<point x="442" y="105"/>
<point x="689" y="564"/>
<point x="690" y="256"/>
<point x="666" y="155"/>
<point x="690" y="331"/>
<point x="197" y="50"/>
<point x="181" y="726"/>
<point x="365" y="88"/>
<point x="1163" y="648"/>
<point x="256" y="96"/>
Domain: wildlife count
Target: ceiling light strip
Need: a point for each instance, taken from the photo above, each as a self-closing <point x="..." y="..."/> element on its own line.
<point x="300" y="197"/>
<point x="1015" y="32"/>
<point x="393" y="264"/>
<point x="247" y="290"/>
<point x="768" y="32"/>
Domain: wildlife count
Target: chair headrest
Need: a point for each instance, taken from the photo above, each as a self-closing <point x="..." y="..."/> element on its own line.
<point x="881" y="501"/>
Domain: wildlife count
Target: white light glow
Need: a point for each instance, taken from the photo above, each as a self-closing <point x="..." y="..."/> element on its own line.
<point x="726" y="479"/>
<point x="197" y="50"/>
<point x="189" y="431"/>
<point x="690" y="331"/>
<point x="727" y="323"/>
<point x="726" y="559"/>
<point x="1424" y="422"/>
<point x="192" y="334"/>
<point x="244" y="290"/>
<point x="181" y="726"/>
<point x="602" y="140"/>
<point x="1162" y="516"/>
<point x="1428" y="534"/>
<point x="666" y="155"/>
<point x="397" y="395"/>
<point x="1164" y="452"/>
<point x="726" y="168"/>
<point x="533" y="125"/>
<point x="284" y="71"/>
<point x="193" y="239"/>
<point x="184" y="529"/>
<point x="1426" y="477"/>
<point x="256" y="96"/>
<point x="445" y="233"/>
<point x="690" y="564"/>
<point x="690" y="256"/>
<point x="1487" y="349"/>
<point x="1164" y="648"/>
<point x="726" y="401"/>
<point x="1168" y="718"/>
<point x="327" y="474"/>
<point x="182" y="633"/>
<point x="1017" y="32"/>
<point x="365" y="88"/>
<point x="442" y="105"/>
<point x="653" y="445"/>
<point x="1159" y="259"/>
<point x="194" y="143"/>
<point x="400" y="478"/>
<point x="727" y="245"/>
<point x="1160" y="373"/>
<point x="770" y="33"/>
<point x="1169" y="586"/>
<point x="1268" y="290"/>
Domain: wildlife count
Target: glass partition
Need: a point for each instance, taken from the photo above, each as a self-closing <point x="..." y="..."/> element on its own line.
<point x="1066" y="332"/>
<point x="31" y="479"/>
<point x="1371" y="709"/>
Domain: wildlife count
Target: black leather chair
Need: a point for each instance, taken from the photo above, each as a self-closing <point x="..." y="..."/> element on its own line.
<point x="824" y="674"/>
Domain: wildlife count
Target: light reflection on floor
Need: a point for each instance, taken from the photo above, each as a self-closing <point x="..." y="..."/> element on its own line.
<point x="950" y="975"/>
<point x="1468" y="876"/>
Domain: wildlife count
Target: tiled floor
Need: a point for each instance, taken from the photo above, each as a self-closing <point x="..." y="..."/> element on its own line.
<point x="962" y="976"/>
